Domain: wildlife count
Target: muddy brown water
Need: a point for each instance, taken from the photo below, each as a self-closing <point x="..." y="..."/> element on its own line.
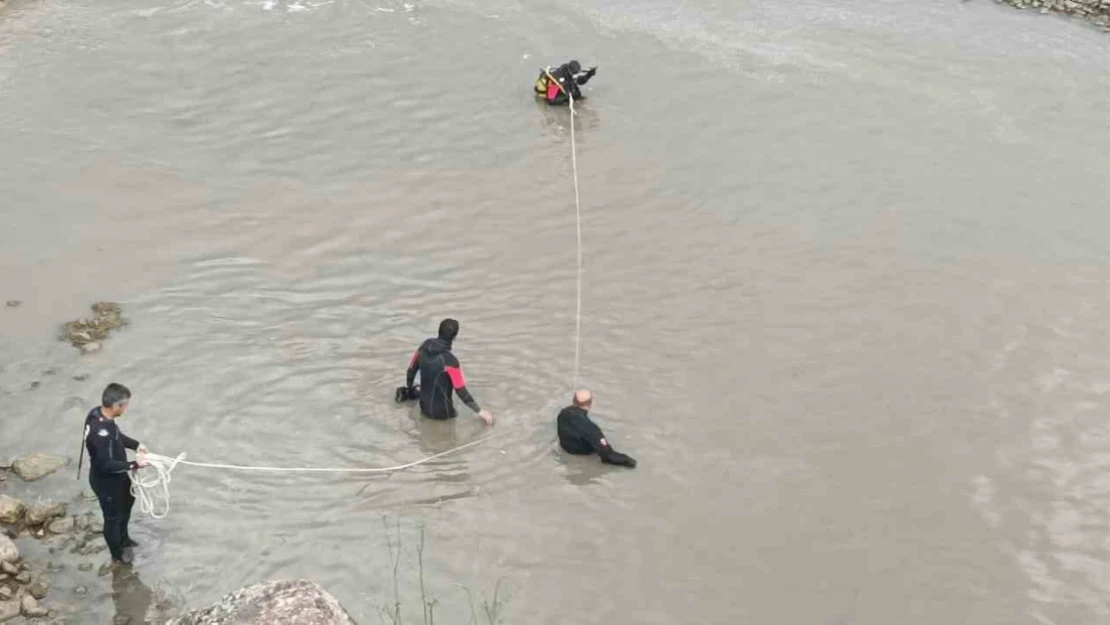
<point x="845" y="298"/>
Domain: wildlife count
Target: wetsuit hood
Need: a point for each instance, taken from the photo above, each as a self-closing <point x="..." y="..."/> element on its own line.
<point x="436" y="346"/>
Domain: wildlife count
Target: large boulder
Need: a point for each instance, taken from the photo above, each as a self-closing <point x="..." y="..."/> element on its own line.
<point x="41" y="512"/>
<point x="8" y="550"/>
<point x="297" y="601"/>
<point x="38" y="466"/>
<point x="11" y="509"/>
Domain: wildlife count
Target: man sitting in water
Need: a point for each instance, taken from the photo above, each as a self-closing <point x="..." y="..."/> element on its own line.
<point x="555" y="84"/>
<point x="579" y="435"/>
<point x="440" y="375"/>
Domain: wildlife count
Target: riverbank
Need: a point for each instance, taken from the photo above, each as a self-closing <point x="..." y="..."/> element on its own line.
<point x="1095" y="11"/>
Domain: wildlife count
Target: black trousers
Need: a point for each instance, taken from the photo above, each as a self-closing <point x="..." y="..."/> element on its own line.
<point x="116" y="501"/>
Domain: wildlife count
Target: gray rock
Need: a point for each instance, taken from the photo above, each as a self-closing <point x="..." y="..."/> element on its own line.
<point x="297" y="601"/>
<point x="88" y="495"/>
<point x="23" y="578"/>
<point x="63" y="525"/>
<point x="81" y="377"/>
<point x="90" y="347"/>
<point x="44" y="511"/>
<point x="92" y="549"/>
<point x="5" y="593"/>
<point x="81" y="522"/>
<point x="39" y="586"/>
<point x="81" y="590"/>
<point x="38" y="466"/>
<point x="9" y="610"/>
<point x="9" y="568"/>
<point x="11" y="509"/>
<point x="8" y="552"/>
<point x="32" y="609"/>
<point x="96" y="525"/>
<point x="85" y="566"/>
<point x="13" y="303"/>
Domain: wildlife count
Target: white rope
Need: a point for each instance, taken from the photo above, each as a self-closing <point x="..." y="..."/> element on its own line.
<point x="153" y="493"/>
<point x="578" y="224"/>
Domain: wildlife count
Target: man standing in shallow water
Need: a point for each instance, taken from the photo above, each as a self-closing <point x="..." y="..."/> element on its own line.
<point x="440" y="377"/>
<point x="579" y="435"/>
<point x="109" y="468"/>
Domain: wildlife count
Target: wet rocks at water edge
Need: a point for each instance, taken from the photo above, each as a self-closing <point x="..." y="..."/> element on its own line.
<point x="37" y="466"/>
<point x="43" y="512"/>
<point x="32" y="609"/>
<point x="1097" y="11"/>
<point x="296" y="601"/>
<point x="88" y="334"/>
<point x="11" y="510"/>
<point x="8" y="552"/>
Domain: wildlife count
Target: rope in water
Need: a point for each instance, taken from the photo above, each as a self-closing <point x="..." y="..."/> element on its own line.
<point x="578" y="226"/>
<point x="151" y="487"/>
<point x="146" y="487"/>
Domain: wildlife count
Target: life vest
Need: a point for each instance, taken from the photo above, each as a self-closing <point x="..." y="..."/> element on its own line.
<point x="546" y="87"/>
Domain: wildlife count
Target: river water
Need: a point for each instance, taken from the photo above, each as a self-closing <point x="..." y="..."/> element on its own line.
<point x="845" y="299"/>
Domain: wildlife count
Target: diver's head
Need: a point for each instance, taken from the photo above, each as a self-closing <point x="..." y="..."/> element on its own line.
<point x="583" y="399"/>
<point x="114" y="400"/>
<point x="448" y="330"/>
<point x="574" y="67"/>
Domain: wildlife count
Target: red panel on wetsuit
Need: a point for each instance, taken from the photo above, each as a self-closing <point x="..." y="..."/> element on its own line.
<point x="415" y="357"/>
<point x="456" y="376"/>
<point x="552" y="89"/>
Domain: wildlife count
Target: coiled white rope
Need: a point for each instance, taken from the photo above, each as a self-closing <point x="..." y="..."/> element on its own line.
<point x="151" y="486"/>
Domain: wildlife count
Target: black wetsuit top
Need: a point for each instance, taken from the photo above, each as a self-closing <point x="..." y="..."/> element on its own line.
<point x="579" y="435"/>
<point x="107" y="448"/>
<point x="569" y="82"/>
<point x="440" y="376"/>
<point x="109" y="478"/>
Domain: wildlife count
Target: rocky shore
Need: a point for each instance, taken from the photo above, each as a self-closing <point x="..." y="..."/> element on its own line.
<point x="24" y="583"/>
<point x="67" y="536"/>
<point x="1096" y="11"/>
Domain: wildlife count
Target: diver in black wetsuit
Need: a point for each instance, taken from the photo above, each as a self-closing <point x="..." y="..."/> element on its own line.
<point x="440" y="376"/>
<point x="108" y="468"/>
<point x="567" y="77"/>
<point x="579" y="435"/>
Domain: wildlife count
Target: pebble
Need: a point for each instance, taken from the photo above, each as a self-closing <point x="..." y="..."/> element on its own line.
<point x="81" y="590"/>
<point x="14" y="303"/>
<point x="23" y="578"/>
<point x="81" y="377"/>
<point x="54" y="567"/>
<point x="5" y="593"/>
<point x="36" y="384"/>
<point x="85" y="566"/>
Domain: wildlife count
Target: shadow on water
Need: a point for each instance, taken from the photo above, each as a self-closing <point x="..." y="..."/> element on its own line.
<point x="580" y="470"/>
<point x="132" y="598"/>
